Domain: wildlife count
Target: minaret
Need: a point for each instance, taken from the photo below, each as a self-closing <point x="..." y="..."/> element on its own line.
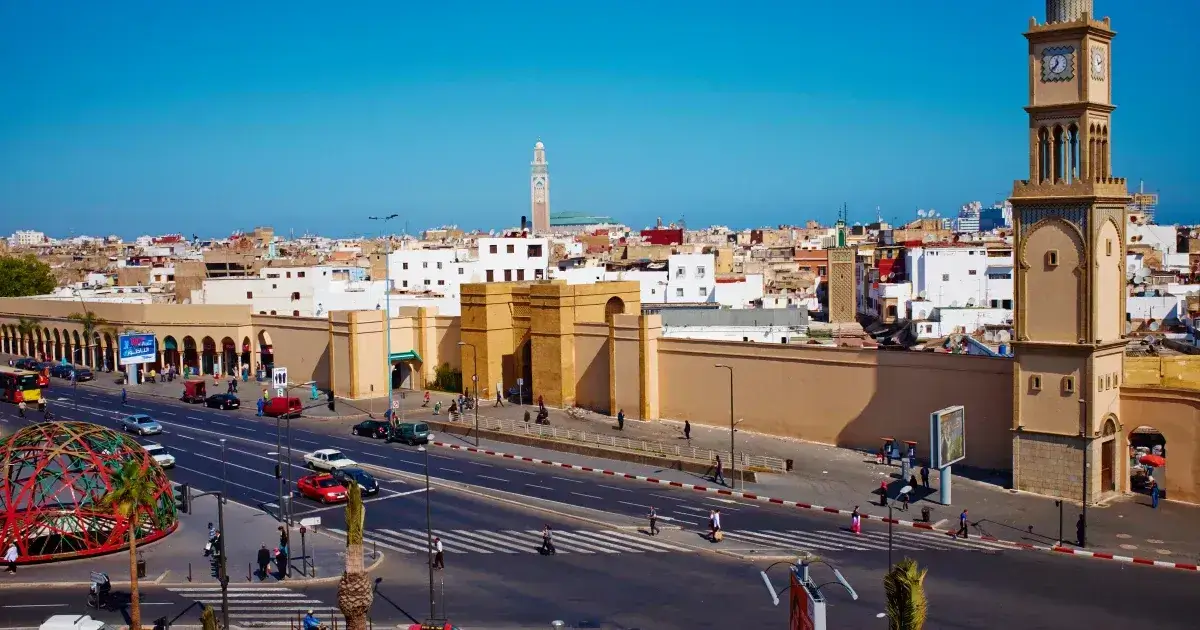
<point x="539" y="190"/>
<point x="1069" y="219"/>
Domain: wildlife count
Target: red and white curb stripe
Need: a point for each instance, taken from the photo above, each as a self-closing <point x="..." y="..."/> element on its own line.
<point x="820" y="508"/>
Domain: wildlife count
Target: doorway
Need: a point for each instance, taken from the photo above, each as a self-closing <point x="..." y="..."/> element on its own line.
<point x="1108" y="458"/>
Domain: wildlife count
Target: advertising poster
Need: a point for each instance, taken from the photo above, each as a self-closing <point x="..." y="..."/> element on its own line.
<point x="136" y="348"/>
<point x="947" y="431"/>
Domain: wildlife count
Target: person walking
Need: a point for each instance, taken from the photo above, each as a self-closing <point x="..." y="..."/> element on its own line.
<point x="925" y="476"/>
<point x="425" y="402"/>
<point x="883" y="493"/>
<point x="262" y="404"/>
<point x="547" y="541"/>
<point x="687" y="431"/>
<point x="281" y="562"/>
<point x="1154" y="494"/>
<point x="855" y="522"/>
<point x="717" y="534"/>
<point x="264" y="561"/>
<point x="21" y="408"/>
<point x="499" y="395"/>
<point x="10" y="557"/>
<point x="439" y="558"/>
<point x="653" y="521"/>
<point x="42" y="405"/>
<point x="621" y="420"/>
<point x="1081" y="531"/>
<point x="719" y="477"/>
<point x="962" y="526"/>
<point x="124" y="396"/>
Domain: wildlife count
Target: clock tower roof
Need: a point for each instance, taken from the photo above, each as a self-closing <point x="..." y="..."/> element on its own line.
<point x="1058" y="11"/>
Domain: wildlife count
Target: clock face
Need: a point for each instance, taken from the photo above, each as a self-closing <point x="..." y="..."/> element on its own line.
<point x="1097" y="63"/>
<point x="1057" y="63"/>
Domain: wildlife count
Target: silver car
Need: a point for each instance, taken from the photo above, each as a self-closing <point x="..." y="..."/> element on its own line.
<point x="141" y="424"/>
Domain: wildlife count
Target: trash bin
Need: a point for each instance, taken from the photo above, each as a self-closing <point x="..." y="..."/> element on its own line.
<point x="925" y="514"/>
<point x="788" y="465"/>
<point x="141" y="568"/>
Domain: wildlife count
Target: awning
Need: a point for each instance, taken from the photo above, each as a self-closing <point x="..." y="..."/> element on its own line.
<point x="411" y="355"/>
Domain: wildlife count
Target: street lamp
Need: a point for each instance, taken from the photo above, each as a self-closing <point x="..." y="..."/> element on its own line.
<point x="224" y="477"/>
<point x="732" y="430"/>
<point x="387" y="315"/>
<point x="816" y="599"/>
<point x="429" y="533"/>
<point x="906" y="490"/>
<point x="475" y="382"/>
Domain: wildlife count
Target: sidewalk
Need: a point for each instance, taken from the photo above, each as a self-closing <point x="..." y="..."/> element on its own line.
<point x="844" y="478"/>
<point x="179" y="558"/>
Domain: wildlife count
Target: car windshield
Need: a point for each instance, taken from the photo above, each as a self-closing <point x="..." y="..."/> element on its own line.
<point x="156" y="450"/>
<point x="327" y="482"/>
<point x="334" y="455"/>
<point x="144" y="420"/>
<point x="422" y="428"/>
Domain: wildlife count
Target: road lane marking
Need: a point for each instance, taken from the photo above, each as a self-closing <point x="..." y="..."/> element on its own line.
<point x="565" y="479"/>
<point x="496" y="478"/>
<point x="451" y="470"/>
<point x="590" y="496"/>
<point x="615" y="488"/>
<point x="534" y="485"/>
<point x="480" y="464"/>
<point x="166" y="413"/>
<point x="523" y="472"/>
<point x="635" y="504"/>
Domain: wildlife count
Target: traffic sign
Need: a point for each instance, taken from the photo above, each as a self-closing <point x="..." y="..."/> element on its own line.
<point x="280" y="392"/>
<point x="395" y="404"/>
<point x="279" y="377"/>
<point x="311" y="521"/>
<point x="520" y="382"/>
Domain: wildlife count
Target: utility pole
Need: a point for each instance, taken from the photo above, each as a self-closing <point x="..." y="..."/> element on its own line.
<point x="387" y="315"/>
<point x="732" y="429"/>
<point x="222" y="564"/>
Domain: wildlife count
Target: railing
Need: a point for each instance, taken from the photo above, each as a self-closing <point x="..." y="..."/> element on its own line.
<point x="745" y="461"/>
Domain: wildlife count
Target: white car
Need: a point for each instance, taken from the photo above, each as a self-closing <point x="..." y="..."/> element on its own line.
<point x="328" y="459"/>
<point x="160" y="455"/>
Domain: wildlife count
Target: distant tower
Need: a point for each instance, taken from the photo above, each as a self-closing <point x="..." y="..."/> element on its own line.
<point x="539" y="189"/>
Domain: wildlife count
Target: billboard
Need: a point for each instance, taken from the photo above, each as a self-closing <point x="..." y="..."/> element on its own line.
<point x="948" y="436"/>
<point x="137" y="348"/>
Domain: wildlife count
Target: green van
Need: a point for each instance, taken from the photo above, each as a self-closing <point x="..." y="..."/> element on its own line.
<point x="412" y="433"/>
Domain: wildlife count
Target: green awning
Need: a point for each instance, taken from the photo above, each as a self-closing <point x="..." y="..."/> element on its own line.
<point x="411" y="355"/>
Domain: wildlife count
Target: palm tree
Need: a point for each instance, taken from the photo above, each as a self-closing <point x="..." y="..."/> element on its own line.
<point x="354" y="591"/>
<point x="904" y="586"/>
<point x="90" y="322"/>
<point x="208" y="619"/>
<point x="132" y="494"/>
<point x="27" y="326"/>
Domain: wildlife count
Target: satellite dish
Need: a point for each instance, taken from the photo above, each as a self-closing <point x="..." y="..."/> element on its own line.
<point x="954" y="304"/>
<point x="971" y="302"/>
<point x="1154" y="326"/>
<point x="921" y="294"/>
<point x="921" y="213"/>
<point x="1128" y="274"/>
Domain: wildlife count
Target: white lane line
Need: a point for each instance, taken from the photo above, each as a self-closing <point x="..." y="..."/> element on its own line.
<point x="220" y="424"/>
<point x="166" y="413"/>
<point x="489" y="477"/>
<point x="590" y="496"/>
<point x="565" y="479"/>
<point x="615" y="488"/>
<point x="635" y="504"/>
<point x="481" y="464"/>
<point x="523" y="472"/>
<point x="451" y="470"/>
<point x="306" y="441"/>
<point x="534" y="485"/>
<point x="440" y="456"/>
<point x="694" y="509"/>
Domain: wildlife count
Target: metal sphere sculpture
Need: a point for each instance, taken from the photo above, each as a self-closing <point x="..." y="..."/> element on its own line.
<point x="56" y="475"/>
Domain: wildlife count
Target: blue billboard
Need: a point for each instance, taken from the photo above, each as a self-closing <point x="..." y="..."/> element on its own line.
<point x="137" y="348"/>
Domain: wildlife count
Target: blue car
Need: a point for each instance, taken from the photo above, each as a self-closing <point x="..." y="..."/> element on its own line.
<point x="141" y="424"/>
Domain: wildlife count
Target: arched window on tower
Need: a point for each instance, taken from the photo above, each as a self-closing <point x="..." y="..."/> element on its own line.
<point x="1104" y="172"/>
<point x="1060" y="155"/>
<point x="1093" y="167"/>
<point x="1043" y="155"/>
<point x="1073" y="150"/>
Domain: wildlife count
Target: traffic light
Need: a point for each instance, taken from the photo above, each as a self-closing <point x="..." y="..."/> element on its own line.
<point x="278" y="472"/>
<point x="329" y="396"/>
<point x="183" y="498"/>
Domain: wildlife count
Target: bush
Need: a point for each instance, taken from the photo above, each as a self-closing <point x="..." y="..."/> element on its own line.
<point x="448" y="379"/>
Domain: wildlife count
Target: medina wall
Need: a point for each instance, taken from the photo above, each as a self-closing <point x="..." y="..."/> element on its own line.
<point x="844" y="396"/>
<point x="1175" y="412"/>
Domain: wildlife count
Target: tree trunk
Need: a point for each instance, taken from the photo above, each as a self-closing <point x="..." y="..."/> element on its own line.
<point x="135" y="608"/>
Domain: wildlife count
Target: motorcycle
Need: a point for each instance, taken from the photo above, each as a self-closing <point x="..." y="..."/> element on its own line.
<point x="99" y="591"/>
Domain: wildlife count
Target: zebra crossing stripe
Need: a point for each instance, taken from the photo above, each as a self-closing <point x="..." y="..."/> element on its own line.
<point x="504" y="546"/>
<point x="897" y="542"/>
<point x="536" y="538"/>
<point x="568" y="541"/>
<point x="449" y="541"/>
<point x="934" y="543"/>
<point x="763" y="539"/>
<point x="599" y="539"/>
<point x="420" y="545"/>
<point x="812" y="537"/>
<point x="647" y="542"/>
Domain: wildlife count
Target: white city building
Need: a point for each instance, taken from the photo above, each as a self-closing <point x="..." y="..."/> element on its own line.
<point x="439" y="271"/>
<point x="27" y="238"/>
<point x="513" y="259"/>
<point x="297" y="291"/>
<point x="959" y="288"/>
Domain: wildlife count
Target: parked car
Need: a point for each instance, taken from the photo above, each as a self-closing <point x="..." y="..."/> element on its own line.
<point x="222" y="401"/>
<point x="83" y="374"/>
<point x="58" y="370"/>
<point x="411" y="433"/>
<point x="283" y="407"/>
<point x="365" y="480"/>
<point x="27" y="363"/>
<point x="141" y="424"/>
<point x="377" y="429"/>
<point x="322" y="487"/>
<point x="160" y="455"/>
<point x="328" y="459"/>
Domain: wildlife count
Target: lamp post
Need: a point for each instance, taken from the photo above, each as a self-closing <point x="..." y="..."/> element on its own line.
<point x="475" y="383"/>
<point x="224" y="476"/>
<point x="816" y="599"/>
<point x="387" y="315"/>
<point x="732" y="430"/>
<point x="429" y="535"/>
<point x="891" y="521"/>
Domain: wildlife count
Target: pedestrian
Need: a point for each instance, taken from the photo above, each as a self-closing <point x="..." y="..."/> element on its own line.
<point x="439" y="561"/>
<point x="883" y="493"/>
<point x="720" y="476"/>
<point x="621" y="420"/>
<point x="499" y="395"/>
<point x="855" y="521"/>
<point x="1081" y="532"/>
<point x="281" y="562"/>
<point x="687" y="431"/>
<point x="526" y="416"/>
<point x="264" y="561"/>
<point x="912" y="481"/>
<point x="547" y="541"/>
<point x="283" y="537"/>
<point x="426" y="402"/>
<point x="962" y="526"/>
<point x="10" y="557"/>
<point x="437" y="407"/>
<point x="716" y="525"/>
<point x="124" y="396"/>
<point x="903" y="501"/>
<point x="925" y="476"/>
<point x="1153" y="494"/>
<point x="541" y="402"/>
<point x="262" y="404"/>
<point x="21" y="408"/>
<point x="653" y="521"/>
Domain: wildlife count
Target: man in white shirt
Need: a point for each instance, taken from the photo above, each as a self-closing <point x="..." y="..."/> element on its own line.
<point x="438" y="556"/>
<point x="10" y="557"/>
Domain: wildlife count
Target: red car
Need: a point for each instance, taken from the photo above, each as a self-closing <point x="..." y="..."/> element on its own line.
<point x="322" y="487"/>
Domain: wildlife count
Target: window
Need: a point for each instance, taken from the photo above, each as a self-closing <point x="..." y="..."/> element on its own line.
<point x="295" y="295"/>
<point x="249" y="295"/>
<point x="999" y="276"/>
<point x="1068" y="385"/>
<point x="272" y="312"/>
<point x="972" y="272"/>
<point x="425" y="265"/>
<point x="679" y="292"/>
<point x="289" y="274"/>
<point x="491" y="249"/>
<point x="537" y="274"/>
<point x="1035" y="383"/>
<point x="1108" y="382"/>
<point x="439" y="265"/>
<point x="272" y="275"/>
<point x="460" y="271"/>
<point x="404" y="283"/>
<point x="1117" y="380"/>
<point x="491" y="275"/>
<point x="508" y="275"/>
<point x="681" y="273"/>
<point x="1008" y="304"/>
<point x="1052" y="258"/>
<point x="945" y="277"/>
<point x="406" y="266"/>
<point x="295" y="313"/>
<point x="820" y="270"/>
<point x="274" y="286"/>
<point x="262" y="312"/>
<point x="427" y="282"/>
<point x="510" y="249"/>
<point x="703" y="291"/>
<point x="535" y="251"/>
<point x="441" y="283"/>
<point x="520" y="274"/>
<point x="891" y="310"/>
<point x="1100" y="384"/>
<point x="699" y="272"/>
<point x="1108" y="247"/>
<point x="300" y="274"/>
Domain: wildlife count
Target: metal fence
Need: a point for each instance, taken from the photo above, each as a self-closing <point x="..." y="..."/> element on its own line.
<point x="745" y="461"/>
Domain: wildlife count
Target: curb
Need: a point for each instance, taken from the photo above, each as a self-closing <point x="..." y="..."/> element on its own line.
<point x="1183" y="566"/>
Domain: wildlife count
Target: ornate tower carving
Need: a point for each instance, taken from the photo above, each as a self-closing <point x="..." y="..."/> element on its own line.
<point x="1070" y="270"/>
<point x="539" y="190"/>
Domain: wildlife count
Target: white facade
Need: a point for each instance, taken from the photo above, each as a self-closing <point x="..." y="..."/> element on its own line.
<point x="439" y="271"/>
<point x="27" y="237"/>
<point x="1160" y="237"/>
<point x="743" y="292"/>
<point x="513" y="259"/>
<point x="757" y="334"/>
<point x="297" y="291"/>
<point x="961" y="277"/>
<point x="691" y="278"/>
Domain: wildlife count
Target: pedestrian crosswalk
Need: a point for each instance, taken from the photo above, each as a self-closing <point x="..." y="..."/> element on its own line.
<point x="868" y="540"/>
<point x="464" y="541"/>
<point x="262" y="605"/>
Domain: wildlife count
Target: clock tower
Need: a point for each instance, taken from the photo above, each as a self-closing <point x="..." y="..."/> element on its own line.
<point x="539" y="190"/>
<point x="1069" y="218"/>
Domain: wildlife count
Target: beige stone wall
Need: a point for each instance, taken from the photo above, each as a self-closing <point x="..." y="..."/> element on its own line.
<point x="849" y="397"/>
<point x="1181" y="371"/>
<point x="625" y="365"/>
<point x="1176" y="413"/>
<point x="592" y="367"/>
<point x="301" y="344"/>
<point x="1049" y="464"/>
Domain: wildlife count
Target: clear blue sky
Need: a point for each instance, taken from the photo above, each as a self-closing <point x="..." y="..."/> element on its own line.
<point x="152" y="116"/>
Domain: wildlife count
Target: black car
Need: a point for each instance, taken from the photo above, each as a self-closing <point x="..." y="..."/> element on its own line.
<point x="83" y="374"/>
<point x="59" y="370"/>
<point x="364" y="479"/>
<point x="222" y="401"/>
<point x="28" y="363"/>
<point x="377" y="429"/>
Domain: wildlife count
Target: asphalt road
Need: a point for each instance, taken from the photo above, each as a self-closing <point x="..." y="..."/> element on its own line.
<point x="622" y="582"/>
